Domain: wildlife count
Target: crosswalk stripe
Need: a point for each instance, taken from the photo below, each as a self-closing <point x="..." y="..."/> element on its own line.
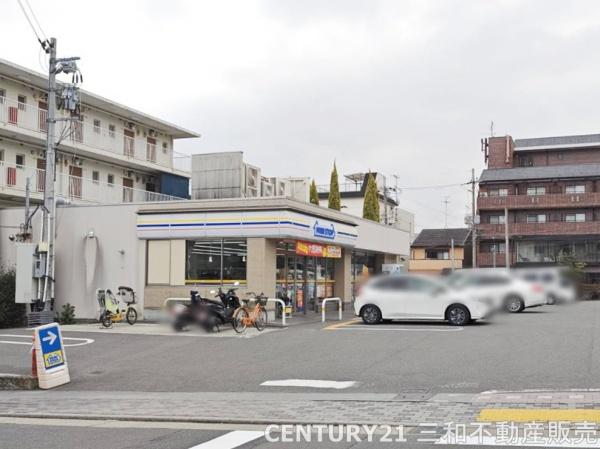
<point x="231" y="440"/>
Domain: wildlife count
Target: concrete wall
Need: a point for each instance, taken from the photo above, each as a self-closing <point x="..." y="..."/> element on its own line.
<point x="119" y="260"/>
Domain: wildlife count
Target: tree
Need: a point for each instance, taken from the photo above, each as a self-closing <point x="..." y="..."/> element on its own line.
<point x="371" y="203"/>
<point x="314" y="196"/>
<point x="334" y="190"/>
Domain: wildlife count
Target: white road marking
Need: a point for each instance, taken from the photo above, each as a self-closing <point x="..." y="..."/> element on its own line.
<point x="83" y="341"/>
<point x="399" y="329"/>
<point x="310" y="383"/>
<point x="231" y="440"/>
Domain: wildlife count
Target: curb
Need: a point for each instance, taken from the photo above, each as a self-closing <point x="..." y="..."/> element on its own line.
<point x="201" y="420"/>
<point x="18" y="382"/>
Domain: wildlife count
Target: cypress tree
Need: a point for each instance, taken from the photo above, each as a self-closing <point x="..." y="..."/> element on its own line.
<point x="334" y="190"/>
<point x="371" y="202"/>
<point x="314" y="196"/>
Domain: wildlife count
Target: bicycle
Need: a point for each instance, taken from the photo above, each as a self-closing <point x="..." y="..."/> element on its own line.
<point x="257" y="317"/>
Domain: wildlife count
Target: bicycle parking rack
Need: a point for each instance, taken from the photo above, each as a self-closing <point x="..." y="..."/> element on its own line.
<point x="338" y="300"/>
<point x="283" y="314"/>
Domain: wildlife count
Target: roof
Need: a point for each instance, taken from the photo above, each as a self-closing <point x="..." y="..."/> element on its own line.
<point x="24" y="75"/>
<point x="442" y="237"/>
<point x="543" y="172"/>
<point x="558" y="142"/>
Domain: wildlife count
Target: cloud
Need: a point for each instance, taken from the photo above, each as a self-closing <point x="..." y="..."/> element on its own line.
<point x="402" y="87"/>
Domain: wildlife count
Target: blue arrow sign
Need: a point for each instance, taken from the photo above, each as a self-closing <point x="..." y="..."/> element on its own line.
<point x="52" y="348"/>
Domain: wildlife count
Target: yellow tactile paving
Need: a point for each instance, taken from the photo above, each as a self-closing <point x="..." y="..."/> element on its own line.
<point x="538" y="414"/>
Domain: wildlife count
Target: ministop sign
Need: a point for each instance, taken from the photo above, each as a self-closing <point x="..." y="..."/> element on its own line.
<point x="52" y="349"/>
<point x="50" y="356"/>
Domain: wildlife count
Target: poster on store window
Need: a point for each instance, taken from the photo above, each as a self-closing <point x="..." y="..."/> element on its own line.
<point x="317" y="250"/>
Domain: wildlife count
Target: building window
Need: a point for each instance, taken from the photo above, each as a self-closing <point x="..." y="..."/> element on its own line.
<point x="536" y="218"/>
<point x="111" y="131"/>
<point x="437" y="254"/>
<point x="498" y="192"/>
<point x="497" y="219"/>
<point x="20" y="160"/>
<point x="22" y="102"/>
<point x="525" y="161"/>
<point x="2" y="96"/>
<point x="574" y="218"/>
<point x="97" y="126"/>
<point x="216" y="261"/>
<point x="575" y="189"/>
<point x="165" y="147"/>
<point x="536" y="190"/>
<point x="96" y="176"/>
<point x="110" y="179"/>
<point x="1" y="156"/>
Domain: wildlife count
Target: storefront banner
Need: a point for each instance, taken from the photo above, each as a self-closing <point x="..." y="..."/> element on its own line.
<point x="316" y="250"/>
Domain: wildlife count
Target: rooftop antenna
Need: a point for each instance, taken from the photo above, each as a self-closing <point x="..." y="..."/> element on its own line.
<point x="492" y="128"/>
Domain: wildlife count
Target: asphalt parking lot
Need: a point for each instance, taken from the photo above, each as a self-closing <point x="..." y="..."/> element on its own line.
<point x="510" y="352"/>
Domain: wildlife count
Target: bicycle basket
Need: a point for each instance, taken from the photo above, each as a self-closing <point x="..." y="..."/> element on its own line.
<point x="261" y="301"/>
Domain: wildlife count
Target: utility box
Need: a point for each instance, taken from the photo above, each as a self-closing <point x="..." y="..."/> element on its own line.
<point x="26" y="286"/>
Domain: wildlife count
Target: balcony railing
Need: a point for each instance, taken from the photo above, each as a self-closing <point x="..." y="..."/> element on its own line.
<point x="13" y="180"/>
<point x="487" y="259"/>
<point x="548" y="228"/>
<point x="539" y="201"/>
<point x="32" y="118"/>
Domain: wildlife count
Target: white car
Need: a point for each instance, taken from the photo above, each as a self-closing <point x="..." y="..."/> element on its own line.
<point x="505" y="289"/>
<point x="559" y="287"/>
<point x="414" y="297"/>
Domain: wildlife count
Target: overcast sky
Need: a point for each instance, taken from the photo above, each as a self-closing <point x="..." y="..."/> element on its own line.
<point x="400" y="87"/>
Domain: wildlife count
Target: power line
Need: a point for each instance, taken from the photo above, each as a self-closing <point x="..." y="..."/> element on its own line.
<point x="44" y="42"/>
<point x="36" y="20"/>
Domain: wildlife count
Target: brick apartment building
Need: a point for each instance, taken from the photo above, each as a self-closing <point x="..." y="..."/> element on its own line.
<point x="551" y="189"/>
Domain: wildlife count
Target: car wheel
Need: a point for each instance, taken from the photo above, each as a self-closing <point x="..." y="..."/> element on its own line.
<point x="370" y="314"/>
<point x="458" y="315"/>
<point x="551" y="300"/>
<point x="514" y="304"/>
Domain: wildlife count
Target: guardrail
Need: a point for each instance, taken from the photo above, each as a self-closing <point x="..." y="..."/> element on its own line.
<point x="338" y="300"/>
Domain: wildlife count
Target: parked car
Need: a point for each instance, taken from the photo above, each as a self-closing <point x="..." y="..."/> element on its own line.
<point x="506" y="290"/>
<point x="559" y="288"/>
<point x="416" y="297"/>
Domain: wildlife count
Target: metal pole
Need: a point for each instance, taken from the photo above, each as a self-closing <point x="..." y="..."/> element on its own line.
<point x="50" y="177"/>
<point x="25" y="229"/>
<point x="506" y="247"/>
<point x="473" y="233"/>
<point x="452" y="253"/>
<point x="385" y="212"/>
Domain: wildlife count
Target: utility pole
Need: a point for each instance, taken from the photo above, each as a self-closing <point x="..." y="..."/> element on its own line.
<point x="50" y="175"/>
<point x="473" y="228"/>
<point x="70" y="103"/>
<point x="385" y="211"/>
<point x="452" y="254"/>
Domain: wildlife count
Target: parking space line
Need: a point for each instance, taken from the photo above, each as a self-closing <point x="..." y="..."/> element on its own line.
<point x="231" y="440"/>
<point x="538" y="415"/>
<point x="342" y="324"/>
<point x="310" y="383"/>
<point x="355" y="325"/>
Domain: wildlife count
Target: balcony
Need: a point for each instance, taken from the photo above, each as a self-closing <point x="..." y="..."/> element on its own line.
<point x="549" y="201"/>
<point x="84" y="137"/>
<point x="433" y="265"/>
<point x="13" y="180"/>
<point x="549" y="228"/>
<point x="487" y="260"/>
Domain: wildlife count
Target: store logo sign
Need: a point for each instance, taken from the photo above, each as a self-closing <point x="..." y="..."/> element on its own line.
<point x="324" y="231"/>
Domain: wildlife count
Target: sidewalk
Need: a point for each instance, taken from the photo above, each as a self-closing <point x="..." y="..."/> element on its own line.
<point x="293" y="408"/>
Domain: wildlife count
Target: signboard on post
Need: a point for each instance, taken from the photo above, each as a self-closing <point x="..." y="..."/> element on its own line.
<point x="51" y="359"/>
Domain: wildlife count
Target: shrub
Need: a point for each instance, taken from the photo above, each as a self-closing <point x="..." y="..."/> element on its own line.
<point x="11" y="314"/>
<point x="66" y="315"/>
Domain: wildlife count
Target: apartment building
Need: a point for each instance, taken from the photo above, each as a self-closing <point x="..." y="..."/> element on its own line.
<point x="113" y="154"/>
<point x="550" y="187"/>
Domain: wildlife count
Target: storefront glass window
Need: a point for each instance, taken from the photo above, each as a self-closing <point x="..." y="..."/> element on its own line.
<point x="215" y="261"/>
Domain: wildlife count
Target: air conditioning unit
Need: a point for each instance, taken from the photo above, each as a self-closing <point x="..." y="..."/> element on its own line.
<point x="253" y="181"/>
<point x="279" y="186"/>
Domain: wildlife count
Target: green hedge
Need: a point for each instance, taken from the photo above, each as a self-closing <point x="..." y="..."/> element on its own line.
<point x="11" y="314"/>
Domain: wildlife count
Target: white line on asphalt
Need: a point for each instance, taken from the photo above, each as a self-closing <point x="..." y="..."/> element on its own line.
<point x="83" y="341"/>
<point x="399" y="329"/>
<point x="231" y="440"/>
<point x="310" y="383"/>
